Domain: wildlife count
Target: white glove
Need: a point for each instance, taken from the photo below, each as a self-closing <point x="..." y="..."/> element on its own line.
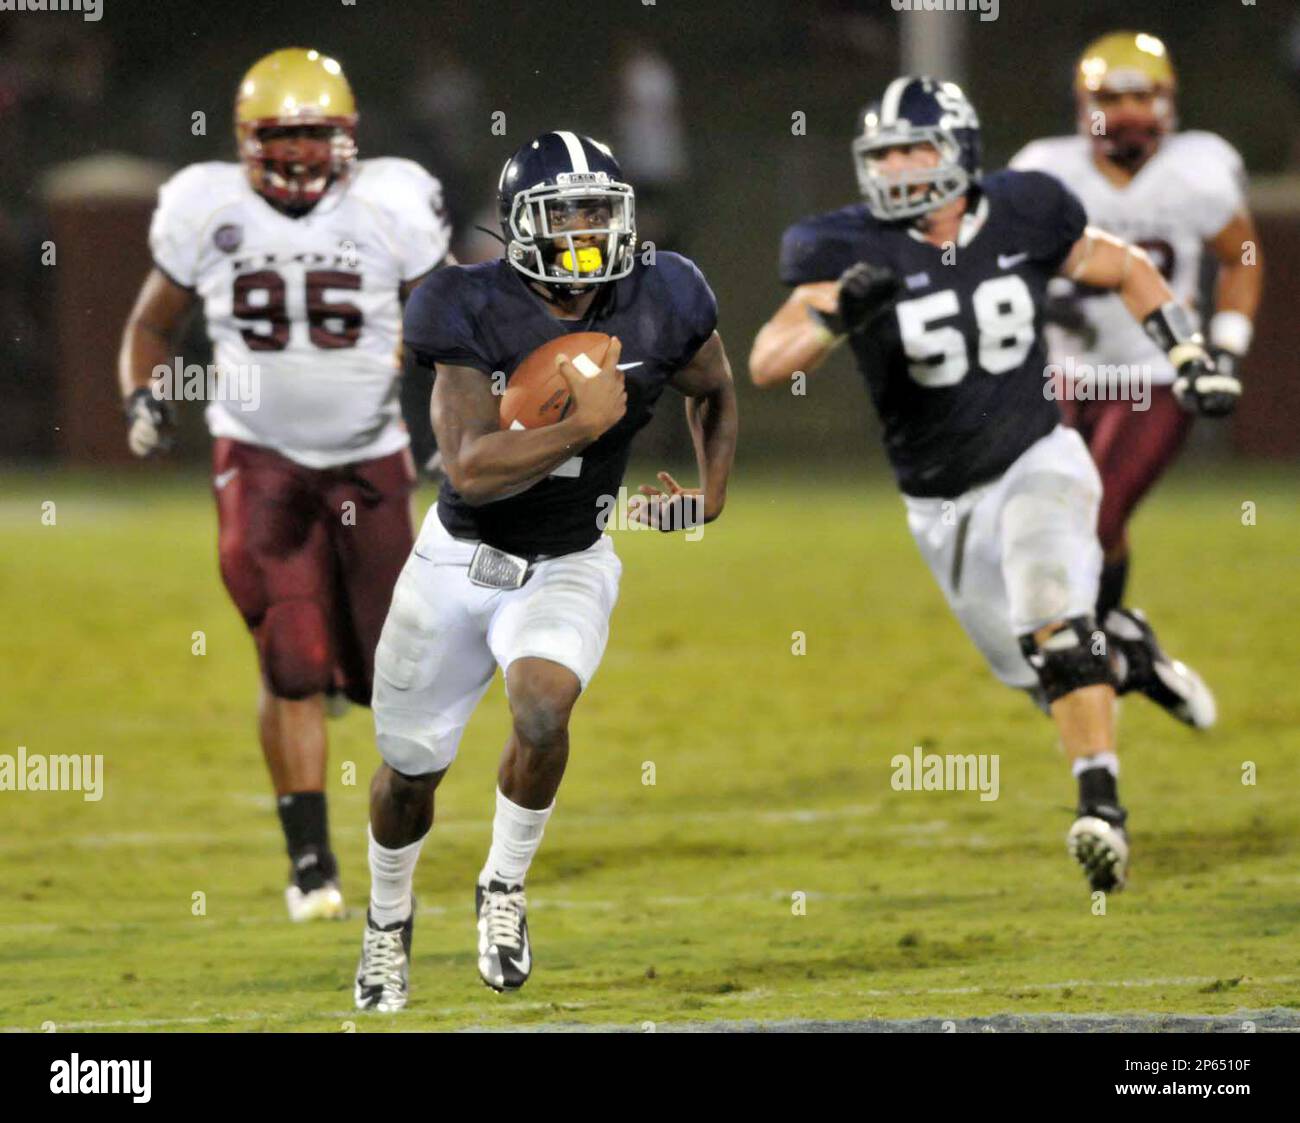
<point x="150" y="423"/>
<point x="1201" y="387"/>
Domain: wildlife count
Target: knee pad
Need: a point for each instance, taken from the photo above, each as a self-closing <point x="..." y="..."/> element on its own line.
<point x="415" y="754"/>
<point x="297" y="656"/>
<point x="1072" y="657"/>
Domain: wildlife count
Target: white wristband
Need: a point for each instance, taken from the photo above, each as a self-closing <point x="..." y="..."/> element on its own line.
<point x="1185" y="353"/>
<point x="1232" y="331"/>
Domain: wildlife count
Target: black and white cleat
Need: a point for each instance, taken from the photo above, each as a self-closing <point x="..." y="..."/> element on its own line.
<point x="325" y="902"/>
<point x="1170" y="683"/>
<point x="313" y="892"/>
<point x="1099" y="843"/>
<point x="505" y="958"/>
<point x="383" y="974"/>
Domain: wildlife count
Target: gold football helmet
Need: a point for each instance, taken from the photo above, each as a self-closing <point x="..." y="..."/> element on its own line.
<point x="1124" y="85"/>
<point x="295" y="124"/>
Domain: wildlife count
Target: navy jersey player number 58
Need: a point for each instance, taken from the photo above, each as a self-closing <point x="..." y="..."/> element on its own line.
<point x="956" y="371"/>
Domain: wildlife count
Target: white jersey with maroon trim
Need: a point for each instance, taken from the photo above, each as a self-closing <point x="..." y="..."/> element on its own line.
<point x="1182" y="196"/>
<point x="304" y="312"/>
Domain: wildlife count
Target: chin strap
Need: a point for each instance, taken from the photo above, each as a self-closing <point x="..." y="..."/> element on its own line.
<point x="491" y="234"/>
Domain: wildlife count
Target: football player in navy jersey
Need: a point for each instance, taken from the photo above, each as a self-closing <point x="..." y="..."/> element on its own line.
<point x="512" y="568"/>
<point x="937" y="280"/>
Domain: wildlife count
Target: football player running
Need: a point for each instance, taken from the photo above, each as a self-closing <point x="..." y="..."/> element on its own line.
<point x="938" y="282"/>
<point x="511" y="568"/>
<point x="301" y="256"/>
<point x="1173" y="194"/>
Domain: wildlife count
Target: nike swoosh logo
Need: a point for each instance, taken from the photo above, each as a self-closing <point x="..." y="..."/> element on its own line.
<point x="1007" y="260"/>
<point x="225" y="477"/>
<point x="629" y="366"/>
<point x="525" y="961"/>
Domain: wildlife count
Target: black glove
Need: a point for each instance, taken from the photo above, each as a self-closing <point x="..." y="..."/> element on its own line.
<point x="151" y="423"/>
<point x="1200" y="386"/>
<point x="1066" y="312"/>
<point x="866" y="291"/>
<point x="1203" y="387"/>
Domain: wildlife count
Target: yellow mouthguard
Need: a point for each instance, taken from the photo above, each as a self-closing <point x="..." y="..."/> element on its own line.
<point x="589" y="259"/>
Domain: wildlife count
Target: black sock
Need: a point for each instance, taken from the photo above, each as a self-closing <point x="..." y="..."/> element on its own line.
<point x="1098" y="788"/>
<point x="306" y="831"/>
<point x="1110" y="594"/>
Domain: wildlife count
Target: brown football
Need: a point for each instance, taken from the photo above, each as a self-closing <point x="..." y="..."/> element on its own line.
<point x="536" y="394"/>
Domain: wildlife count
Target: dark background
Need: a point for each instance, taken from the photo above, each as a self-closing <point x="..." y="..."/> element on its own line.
<point x="428" y="75"/>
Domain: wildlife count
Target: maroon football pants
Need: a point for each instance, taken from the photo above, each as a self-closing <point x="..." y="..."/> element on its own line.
<point x="310" y="557"/>
<point x="1132" y="449"/>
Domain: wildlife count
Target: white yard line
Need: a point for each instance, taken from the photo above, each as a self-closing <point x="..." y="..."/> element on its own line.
<point x="483" y="825"/>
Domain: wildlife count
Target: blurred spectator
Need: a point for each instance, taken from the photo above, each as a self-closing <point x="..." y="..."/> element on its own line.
<point x="845" y="30"/>
<point x="650" y="142"/>
<point x="447" y="121"/>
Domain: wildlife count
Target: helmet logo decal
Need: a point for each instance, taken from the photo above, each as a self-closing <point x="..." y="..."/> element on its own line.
<point x="575" y="179"/>
<point x="958" y="113"/>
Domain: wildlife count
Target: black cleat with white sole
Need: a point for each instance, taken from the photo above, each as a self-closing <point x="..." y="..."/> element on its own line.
<point x="505" y="958"/>
<point x="1099" y="843"/>
<point x="383" y="975"/>
<point x="1143" y="666"/>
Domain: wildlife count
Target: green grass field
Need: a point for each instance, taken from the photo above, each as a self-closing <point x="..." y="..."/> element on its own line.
<point x="673" y="902"/>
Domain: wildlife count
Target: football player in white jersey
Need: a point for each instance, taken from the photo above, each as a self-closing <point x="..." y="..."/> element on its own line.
<point x="301" y="256"/>
<point x="1174" y="194"/>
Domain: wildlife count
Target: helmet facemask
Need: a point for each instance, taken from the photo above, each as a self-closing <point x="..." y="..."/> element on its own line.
<point x="1123" y="134"/>
<point x="292" y="164"/>
<point x="892" y="195"/>
<point x="578" y="232"/>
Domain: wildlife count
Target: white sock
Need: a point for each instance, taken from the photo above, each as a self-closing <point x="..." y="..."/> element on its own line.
<point x="391" y="874"/>
<point x="1108" y="761"/>
<point x="516" y="835"/>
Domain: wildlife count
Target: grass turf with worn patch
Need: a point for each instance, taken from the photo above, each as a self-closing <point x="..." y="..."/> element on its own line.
<point x="676" y="901"/>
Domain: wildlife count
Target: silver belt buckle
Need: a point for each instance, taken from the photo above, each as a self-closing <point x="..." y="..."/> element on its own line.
<point x="495" y="569"/>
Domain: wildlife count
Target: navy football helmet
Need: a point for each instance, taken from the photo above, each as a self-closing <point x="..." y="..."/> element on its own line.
<point x="917" y="110"/>
<point x="568" y="218"/>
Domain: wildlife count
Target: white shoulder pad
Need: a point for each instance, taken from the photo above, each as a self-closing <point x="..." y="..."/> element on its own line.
<point x="1045" y="155"/>
<point x="1208" y="148"/>
<point x="411" y="203"/>
<point x="187" y="204"/>
<point x="1214" y="171"/>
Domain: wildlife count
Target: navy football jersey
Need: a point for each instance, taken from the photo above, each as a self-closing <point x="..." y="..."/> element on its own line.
<point x="956" y="370"/>
<point x="486" y="317"/>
